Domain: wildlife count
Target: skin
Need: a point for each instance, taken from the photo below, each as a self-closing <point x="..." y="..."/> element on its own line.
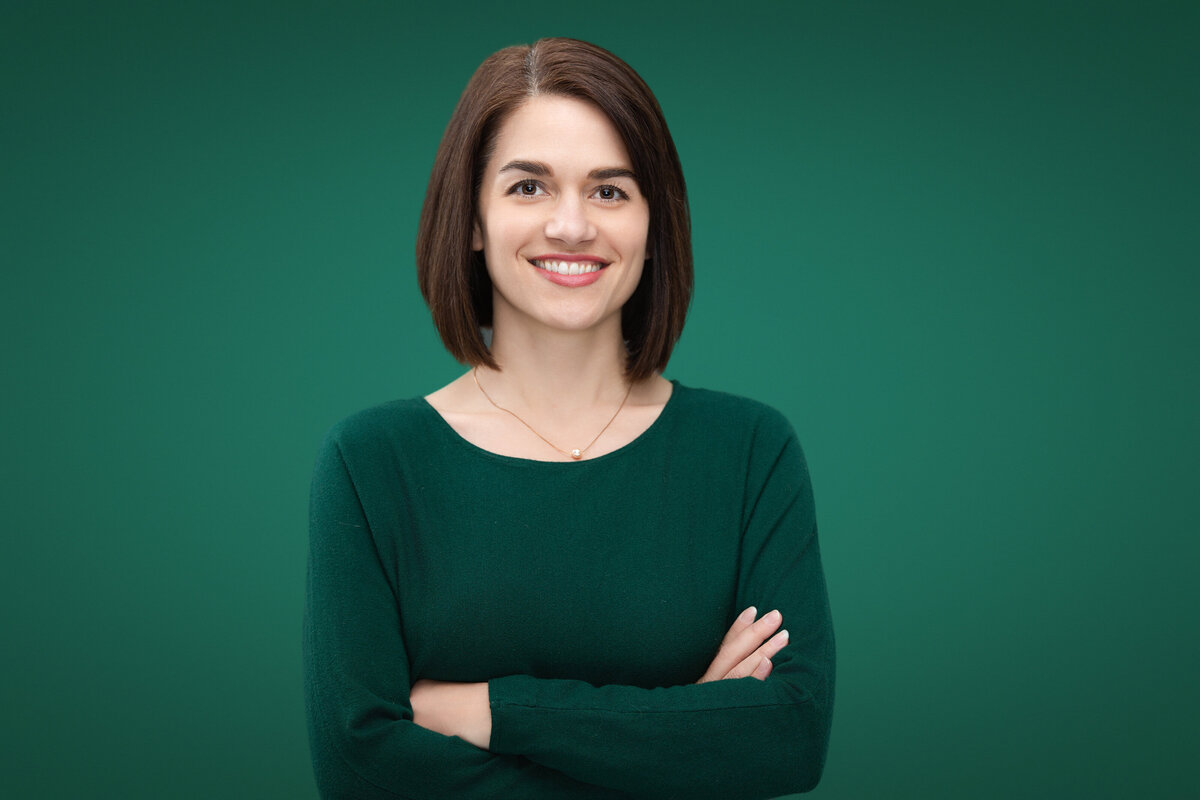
<point x="560" y="349"/>
<point x="539" y="196"/>
<point x="556" y="184"/>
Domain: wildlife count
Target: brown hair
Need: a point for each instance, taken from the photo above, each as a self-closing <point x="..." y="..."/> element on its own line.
<point x="453" y="278"/>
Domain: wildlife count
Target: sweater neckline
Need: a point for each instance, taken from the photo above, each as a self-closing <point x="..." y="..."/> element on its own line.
<point x="647" y="435"/>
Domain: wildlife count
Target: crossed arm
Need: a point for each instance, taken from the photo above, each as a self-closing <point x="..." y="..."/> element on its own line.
<point x="376" y="733"/>
<point x="464" y="710"/>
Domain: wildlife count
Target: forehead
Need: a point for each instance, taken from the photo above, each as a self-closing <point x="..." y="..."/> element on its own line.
<point x="562" y="132"/>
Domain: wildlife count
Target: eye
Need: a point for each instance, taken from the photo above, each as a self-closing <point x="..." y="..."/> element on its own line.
<point x="526" y="188"/>
<point x="610" y="194"/>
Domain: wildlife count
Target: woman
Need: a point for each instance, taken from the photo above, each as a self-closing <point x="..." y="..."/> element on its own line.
<point x="543" y="579"/>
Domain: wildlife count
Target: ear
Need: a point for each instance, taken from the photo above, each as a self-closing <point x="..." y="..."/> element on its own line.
<point x="476" y="237"/>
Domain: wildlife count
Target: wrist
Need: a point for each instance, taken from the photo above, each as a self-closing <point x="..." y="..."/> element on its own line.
<point x="472" y="713"/>
<point x="453" y="709"/>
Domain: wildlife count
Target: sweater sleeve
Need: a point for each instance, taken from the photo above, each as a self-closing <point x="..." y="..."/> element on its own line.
<point x="741" y="738"/>
<point x="364" y="742"/>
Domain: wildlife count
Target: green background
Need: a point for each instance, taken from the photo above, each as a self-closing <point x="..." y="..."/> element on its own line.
<point x="954" y="242"/>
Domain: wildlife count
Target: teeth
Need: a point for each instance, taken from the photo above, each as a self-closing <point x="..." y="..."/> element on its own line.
<point x="567" y="267"/>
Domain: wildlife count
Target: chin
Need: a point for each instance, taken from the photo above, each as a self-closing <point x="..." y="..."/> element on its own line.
<point x="573" y="323"/>
<point x="560" y="314"/>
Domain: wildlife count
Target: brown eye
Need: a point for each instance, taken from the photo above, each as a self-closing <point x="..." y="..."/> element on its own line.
<point x="529" y="188"/>
<point x="610" y="194"/>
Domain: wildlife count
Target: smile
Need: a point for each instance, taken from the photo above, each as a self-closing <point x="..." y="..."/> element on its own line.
<point x="567" y="267"/>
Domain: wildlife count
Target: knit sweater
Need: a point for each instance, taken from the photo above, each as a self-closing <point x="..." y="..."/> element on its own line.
<point x="590" y="596"/>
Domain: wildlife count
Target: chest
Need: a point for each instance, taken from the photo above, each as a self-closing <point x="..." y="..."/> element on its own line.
<point x="606" y="577"/>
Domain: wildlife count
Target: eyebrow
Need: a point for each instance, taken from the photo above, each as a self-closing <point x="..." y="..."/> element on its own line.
<point x="611" y="172"/>
<point x="543" y="170"/>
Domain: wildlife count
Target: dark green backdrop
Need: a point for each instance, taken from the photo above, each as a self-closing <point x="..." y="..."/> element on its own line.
<point x="954" y="242"/>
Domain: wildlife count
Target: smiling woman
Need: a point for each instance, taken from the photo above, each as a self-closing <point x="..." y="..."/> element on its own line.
<point x="571" y="217"/>
<point x="543" y="579"/>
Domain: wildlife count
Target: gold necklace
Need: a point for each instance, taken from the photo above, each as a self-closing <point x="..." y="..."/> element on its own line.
<point x="578" y="452"/>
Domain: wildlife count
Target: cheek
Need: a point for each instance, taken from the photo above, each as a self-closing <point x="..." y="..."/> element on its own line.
<point x="503" y="232"/>
<point x="640" y="234"/>
<point x="632" y="278"/>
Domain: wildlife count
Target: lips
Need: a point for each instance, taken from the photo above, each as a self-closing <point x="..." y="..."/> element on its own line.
<point x="570" y="272"/>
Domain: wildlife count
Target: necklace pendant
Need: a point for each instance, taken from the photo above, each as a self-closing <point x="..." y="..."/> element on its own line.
<point x="577" y="454"/>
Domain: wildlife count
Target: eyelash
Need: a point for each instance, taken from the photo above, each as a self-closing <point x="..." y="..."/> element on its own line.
<point x="621" y="194"/>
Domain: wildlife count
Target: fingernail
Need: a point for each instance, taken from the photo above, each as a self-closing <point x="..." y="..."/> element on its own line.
<point x="783" y="634"/>
<point x="748" y="615"/>
<point x="774" y="616"/>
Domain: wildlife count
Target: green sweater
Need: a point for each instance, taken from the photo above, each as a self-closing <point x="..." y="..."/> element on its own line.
<point x="589" y="595"/>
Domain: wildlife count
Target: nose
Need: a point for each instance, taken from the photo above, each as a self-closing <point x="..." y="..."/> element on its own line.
<point x="569" y="221"/>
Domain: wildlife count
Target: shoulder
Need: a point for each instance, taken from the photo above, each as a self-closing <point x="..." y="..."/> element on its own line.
<point x="734" y="431"/>
<point x="736" y="435"/>
<point x="380" y="426"/>
<point x="732" y="412"/>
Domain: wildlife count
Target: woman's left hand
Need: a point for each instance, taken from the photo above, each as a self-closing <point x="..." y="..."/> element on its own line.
<point x="748" y="648"/>
<point x="453" y="709"/>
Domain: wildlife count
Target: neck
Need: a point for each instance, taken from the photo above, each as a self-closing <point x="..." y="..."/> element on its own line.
<point x="557" y="372"/>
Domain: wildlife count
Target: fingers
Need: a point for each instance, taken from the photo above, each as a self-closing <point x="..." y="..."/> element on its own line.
<point x="743" y="637"/>
<point x="743" y="641"/>
<point x="726" y="657"/>
<point x="762" y="670"/>
<point x="743" y="645"/>
<point x="758" y="664"/>
<point x="743" y="621"/>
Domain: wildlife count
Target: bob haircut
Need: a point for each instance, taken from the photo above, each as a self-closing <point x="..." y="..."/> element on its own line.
<point x="453" y="278"/>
